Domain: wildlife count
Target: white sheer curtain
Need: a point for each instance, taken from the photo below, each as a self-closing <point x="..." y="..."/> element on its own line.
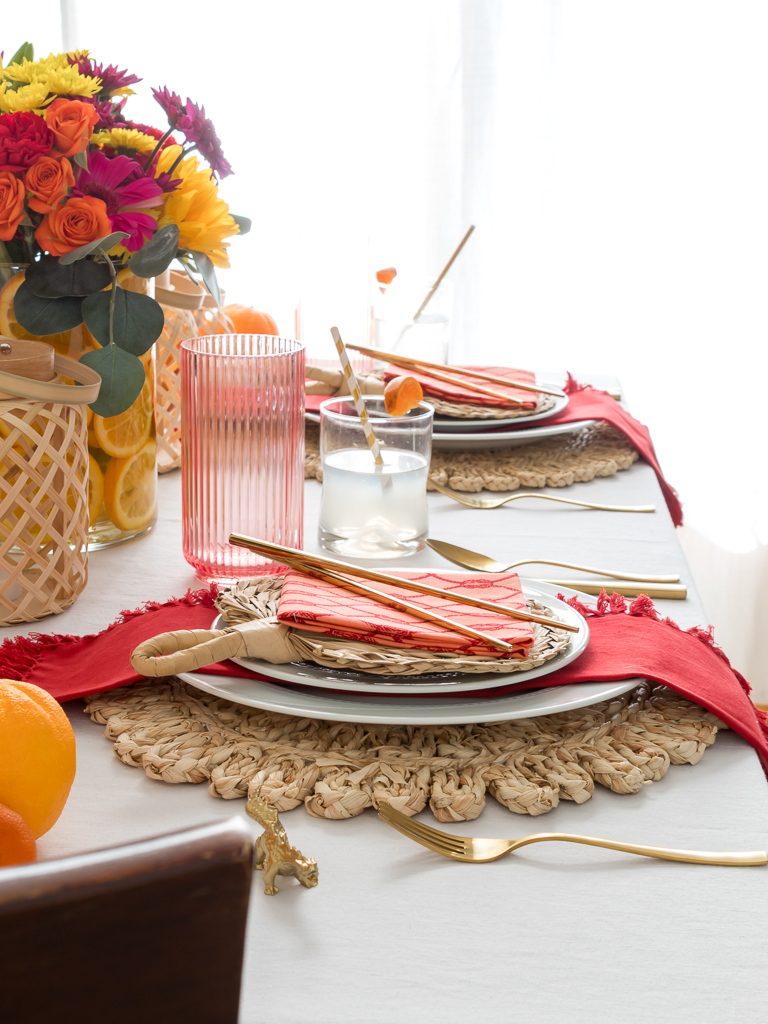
<point x="612" y="154"/>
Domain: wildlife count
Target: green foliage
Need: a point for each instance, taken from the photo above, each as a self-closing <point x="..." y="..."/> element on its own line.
<point x="243" y="223"/>
<point x="137" y="320"/>
<point x="49" y="279"/>
<point x="41" y="316"/>
<point x="25" y="52"/>
<point x="122" y="378"/>
<point x="156" y="255"/>
<point x="207" y="271"/>
<point x="106" y="243"/>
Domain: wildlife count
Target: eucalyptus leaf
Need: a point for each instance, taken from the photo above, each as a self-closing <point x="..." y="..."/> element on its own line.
<point x="137" y="322"/>
<point x="50" y="280"/>
<point x="244" y="223"/>
<point x="157" y="254"/>
<point x="107" y="242"/>
<point x="207" y="271"/>
<point x="122" y="378"/>
<point x="41" y="316"/>
<point x="26" y="50"/>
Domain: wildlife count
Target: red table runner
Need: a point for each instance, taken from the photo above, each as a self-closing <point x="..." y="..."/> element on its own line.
<point x="625" y="641"/>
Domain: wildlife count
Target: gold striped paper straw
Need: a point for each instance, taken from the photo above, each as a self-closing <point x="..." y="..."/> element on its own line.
<point x="357" y="398"/>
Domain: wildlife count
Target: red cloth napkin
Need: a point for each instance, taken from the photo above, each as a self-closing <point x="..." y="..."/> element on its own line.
<point x="324" y="608"/>
<point x="456" y="393"/>
<point x="624" y="642"/>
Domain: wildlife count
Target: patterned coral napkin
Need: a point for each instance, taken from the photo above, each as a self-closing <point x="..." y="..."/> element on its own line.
<point x="324" y="608"/>
<point x="466" y="396"/>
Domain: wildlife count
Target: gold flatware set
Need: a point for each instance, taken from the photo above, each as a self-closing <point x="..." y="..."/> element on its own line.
<point x="629" y="584"/>
<point x="470" y="502"/>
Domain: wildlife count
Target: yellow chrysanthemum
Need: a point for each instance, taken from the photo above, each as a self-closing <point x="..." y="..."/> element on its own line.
<point x="29" y="97"/>
<point x="125" y="138"/>
<point x="204" y="219"/>
<point x="55" y="72"/>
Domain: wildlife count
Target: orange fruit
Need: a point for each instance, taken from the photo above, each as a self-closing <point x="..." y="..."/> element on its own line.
<point x="401" y="395"/>
<point x="37" y="754"/>
<point x="386" y="276"/>
<point x="247" y="320"/>
<point x="11" y="328"/>
<point x="130" y="488"/>
<point x="124" y="435"/>
<point x="17" y="844"/>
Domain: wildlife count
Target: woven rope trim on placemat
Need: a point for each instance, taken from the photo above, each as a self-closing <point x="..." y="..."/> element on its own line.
<point x="464" y="411"/>
<point x="178" y="734"/>
<point x="597" y="450"/>
<point x="259" y="599"/>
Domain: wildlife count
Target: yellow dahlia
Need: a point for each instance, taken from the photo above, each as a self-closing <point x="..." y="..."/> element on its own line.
<point x="204" y="219"/>
<point x="129" y="139"/>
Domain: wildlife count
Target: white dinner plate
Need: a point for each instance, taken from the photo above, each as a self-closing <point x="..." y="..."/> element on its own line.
<point x="488" y="440"/>
<point x="319" y="677"/>
<point x="376" y="709"/>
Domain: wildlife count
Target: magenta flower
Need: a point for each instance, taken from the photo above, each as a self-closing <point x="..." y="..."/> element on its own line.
<point x="122" y="185"/>
<point x="111" y="77"/>
<point x="171" y="104"/>
<point x="197" y="128"/>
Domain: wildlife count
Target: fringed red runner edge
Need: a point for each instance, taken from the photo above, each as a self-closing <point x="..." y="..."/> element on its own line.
<point x="615" y="604"/>
<point x="20" y="654"/>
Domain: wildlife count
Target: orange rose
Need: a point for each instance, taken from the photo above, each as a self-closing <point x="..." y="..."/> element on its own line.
<point x="48" y="181"/>
<point x="77" y="221"/>
<point x="72" y="123"/>
<point x="12" y="194"/>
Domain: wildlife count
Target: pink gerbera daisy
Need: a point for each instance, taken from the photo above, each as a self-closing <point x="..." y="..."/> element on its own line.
<point x="125" y="189"/>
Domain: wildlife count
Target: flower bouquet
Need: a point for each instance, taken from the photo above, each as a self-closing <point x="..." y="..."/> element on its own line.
<point x="93" y="207"/>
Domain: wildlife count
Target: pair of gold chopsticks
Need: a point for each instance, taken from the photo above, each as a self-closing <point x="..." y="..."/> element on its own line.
<point x="447" y="375"/>
<point x="332" y="571"/>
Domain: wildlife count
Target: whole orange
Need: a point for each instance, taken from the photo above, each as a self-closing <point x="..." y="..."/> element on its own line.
<point x="247" y="320"/>
<point x="37" y="754"/>
<point x="17" y="844"/>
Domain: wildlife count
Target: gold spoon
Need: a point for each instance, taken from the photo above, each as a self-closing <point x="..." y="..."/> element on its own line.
<point x="473" y="560"/>
<point x="463" y="499"/>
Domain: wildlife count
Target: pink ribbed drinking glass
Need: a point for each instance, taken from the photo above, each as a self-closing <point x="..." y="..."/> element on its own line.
<point x="242" y="463"/>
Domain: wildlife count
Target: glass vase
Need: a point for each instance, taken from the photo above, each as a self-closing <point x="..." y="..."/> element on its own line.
<point x="242" y="464"/>
<point x="122" y="449"/>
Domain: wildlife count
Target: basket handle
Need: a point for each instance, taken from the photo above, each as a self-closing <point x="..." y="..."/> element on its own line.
<point x="45" y="391"/>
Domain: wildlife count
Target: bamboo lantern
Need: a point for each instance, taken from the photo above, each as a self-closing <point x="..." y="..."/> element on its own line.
<point x="44" y="493"/>
<point x="179" y="298"/>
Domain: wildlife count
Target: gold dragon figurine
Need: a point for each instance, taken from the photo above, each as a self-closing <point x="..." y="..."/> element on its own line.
<point x="274" y="854"/>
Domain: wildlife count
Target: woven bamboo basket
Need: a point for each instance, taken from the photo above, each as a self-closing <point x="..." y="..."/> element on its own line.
<point x="43" y="480"/>
<point x="179" y="298"/>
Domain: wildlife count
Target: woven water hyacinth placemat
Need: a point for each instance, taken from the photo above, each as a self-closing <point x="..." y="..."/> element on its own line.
<point x="178" y="734"/>
<point x="597" y="450"/>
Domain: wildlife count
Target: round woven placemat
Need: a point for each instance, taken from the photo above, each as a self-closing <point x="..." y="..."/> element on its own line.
<point x="336" y="769"/>
<point x="597" y="450"/>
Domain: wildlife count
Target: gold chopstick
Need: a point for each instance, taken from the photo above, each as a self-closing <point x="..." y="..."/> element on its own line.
<point x="394" y="602"/>
<point x="415" y="363"/>
<point x="444" y="271"/>
<point x="302" y="558"/>
<point x="669" y="591"/>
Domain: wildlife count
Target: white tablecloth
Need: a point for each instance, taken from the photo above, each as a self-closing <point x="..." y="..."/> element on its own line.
<point x="392" y="932"/>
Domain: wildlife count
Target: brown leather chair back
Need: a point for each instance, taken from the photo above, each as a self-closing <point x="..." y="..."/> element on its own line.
<point x="153" y="931"/>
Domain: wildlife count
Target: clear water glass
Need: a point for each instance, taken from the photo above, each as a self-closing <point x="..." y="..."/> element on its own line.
<point x="368" y="511"/>
<point x="396" y="331"/>
<point x="242" y="465"/>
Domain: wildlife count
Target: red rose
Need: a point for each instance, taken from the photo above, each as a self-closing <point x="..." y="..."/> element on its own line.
<point x="23" y="138"/>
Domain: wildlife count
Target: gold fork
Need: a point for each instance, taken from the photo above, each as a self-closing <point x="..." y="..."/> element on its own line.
<point x="464" y="499"/>
<point x="479" y="851"/>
